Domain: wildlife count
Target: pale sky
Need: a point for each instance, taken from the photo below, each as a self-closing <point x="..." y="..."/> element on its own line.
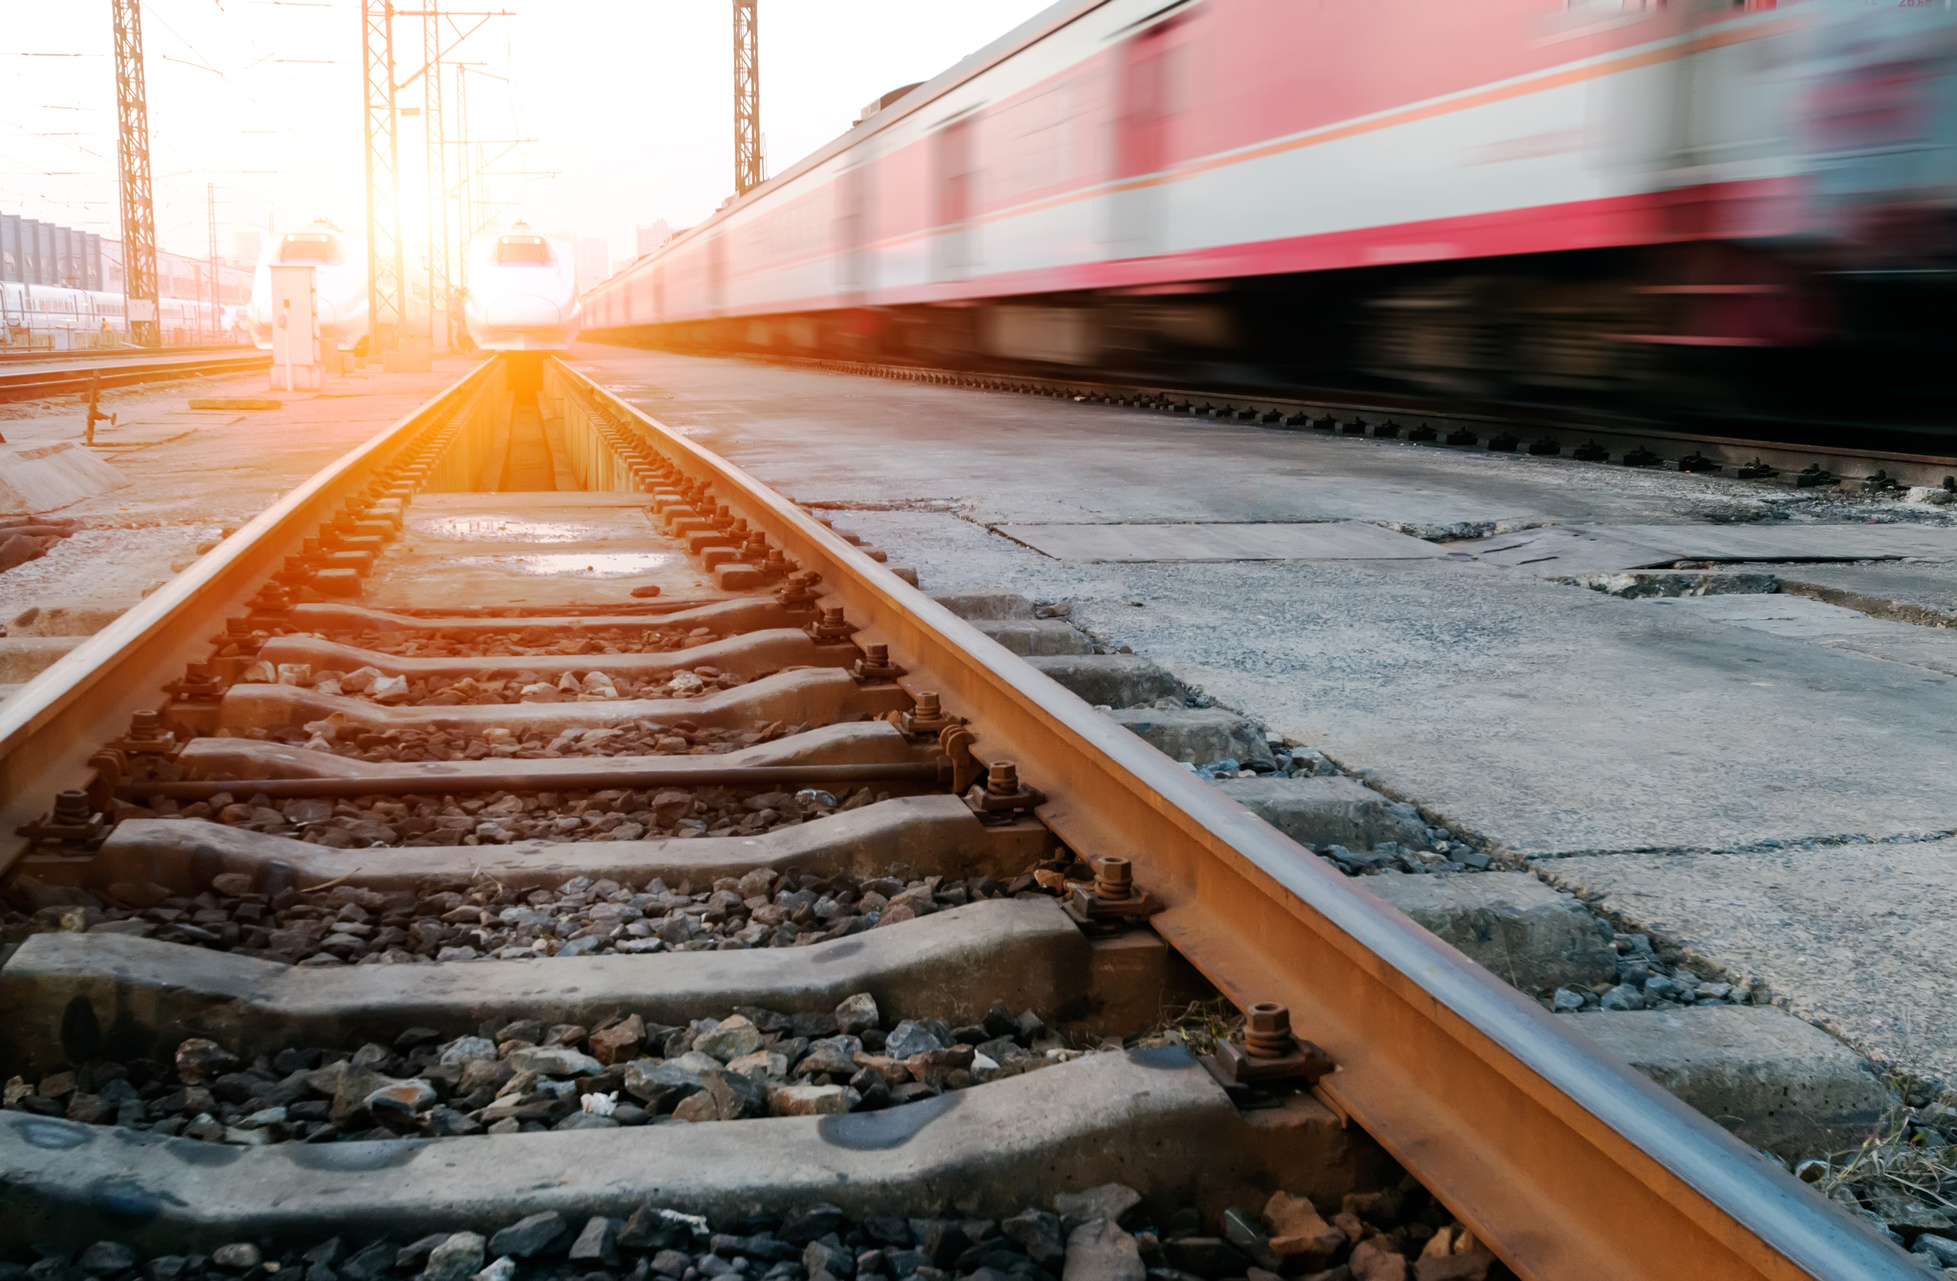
<point x="629" y="104"/>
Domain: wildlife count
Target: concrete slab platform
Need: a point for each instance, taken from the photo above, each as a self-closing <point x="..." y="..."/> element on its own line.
<point x="580" y="549"/>
<point x="22" y="658"/>
<point x="1772" y="1080"/>
<point x="1326" y="540"/>
<point x="988" y="1151"/>
<point x="1913" y="591"/>
<point x="936" y="835"/>
<point x="1933" y="649"/>
<point x="1577" y="549"/>
<point x="1853" y="938"/>
<point x="192" y="475"/>
<point x="73" y="997"/>
<point x="45" y="478"/>
<point x="1546" y="719"/>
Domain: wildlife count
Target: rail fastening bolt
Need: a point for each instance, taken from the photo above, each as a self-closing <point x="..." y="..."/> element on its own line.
<point x="1267" y="1030"/>
<point x="71" y="806"/>
<point x="1114" y="878"/>
<point x="927" y="706"/>
<point x="875" y="655"/>
<point x="1002" y="778"/>
<point x="145" y="725"/>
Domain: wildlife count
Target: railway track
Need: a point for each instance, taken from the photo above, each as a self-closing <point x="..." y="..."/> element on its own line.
<point x="503" y="873"/>
<point x="29" y="379"/>
<point x="1537" y="432"/>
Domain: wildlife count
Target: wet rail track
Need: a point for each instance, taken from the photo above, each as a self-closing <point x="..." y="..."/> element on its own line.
<point x="1805" y="455"/>
<point x="435" y="858"/>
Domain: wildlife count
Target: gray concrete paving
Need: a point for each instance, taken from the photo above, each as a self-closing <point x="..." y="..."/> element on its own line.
<point x="1854" y="938"/>
<point x="193" y="475"/>
<point x="1667" y="741"/>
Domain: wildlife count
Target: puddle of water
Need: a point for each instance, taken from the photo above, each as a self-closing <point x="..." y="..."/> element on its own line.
<point x="578" y="564"/>
<point x="506" y="530"/>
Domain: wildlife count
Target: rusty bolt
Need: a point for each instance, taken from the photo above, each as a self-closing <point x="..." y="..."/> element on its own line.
<point x="875" y="655"/>
<point x="238" y="627"/>
<point x="1114" y="878"/>
<point x="776" y="562"/>
<point x="1267" y="1030"/>
<point x="71" y="806"/>
<point x="145" y="726"/>
<point x="928" y="707"/>
<point x="1002" y="778"/>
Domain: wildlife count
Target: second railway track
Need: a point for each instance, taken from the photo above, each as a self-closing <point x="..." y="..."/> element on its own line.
<point x="56" y="374"/>
<point x="433" y="856"/>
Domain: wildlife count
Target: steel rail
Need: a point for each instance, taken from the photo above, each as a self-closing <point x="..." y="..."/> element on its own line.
<point x="52" y="724"/>
<point x="635" y="777"/>
<point x="1561" y="1157"/>
<point x="82" y="355"/>
<point x="1730" y="452"/>
<point x="26" y="384"/>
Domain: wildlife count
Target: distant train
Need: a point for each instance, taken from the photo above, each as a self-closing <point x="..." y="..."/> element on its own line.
<point x="339" y="283"/>
<point x="1745" y="207"/>
<point x="84" y="315"/>
<point x="523" y="292"/>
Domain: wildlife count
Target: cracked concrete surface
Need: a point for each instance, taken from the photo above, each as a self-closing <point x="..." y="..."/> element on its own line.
<point x="1663" y="754"/>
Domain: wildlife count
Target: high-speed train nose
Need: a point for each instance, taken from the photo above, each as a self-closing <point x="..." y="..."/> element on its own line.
<point x="328" y="313"/>
<point x="522" y="311"/>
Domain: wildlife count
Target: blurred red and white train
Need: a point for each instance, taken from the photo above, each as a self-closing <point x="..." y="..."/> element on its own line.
<point x="1739" y="205"/>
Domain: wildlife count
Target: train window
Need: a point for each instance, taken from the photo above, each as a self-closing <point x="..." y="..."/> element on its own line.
<point x="311" y="246"/>
<point x="521" y="249"/>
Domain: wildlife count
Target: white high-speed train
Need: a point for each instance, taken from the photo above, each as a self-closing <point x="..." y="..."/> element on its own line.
<point x="523" y="292"/>
<point x="87" y="314"/>
<point x="340" y="279"/>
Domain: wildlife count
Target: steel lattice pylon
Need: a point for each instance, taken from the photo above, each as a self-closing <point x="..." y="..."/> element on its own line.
<point x="132" y="159"/>
<point x="747" y="98"/>
<point x="386" y="271"/>
<point x="441" y="338"/>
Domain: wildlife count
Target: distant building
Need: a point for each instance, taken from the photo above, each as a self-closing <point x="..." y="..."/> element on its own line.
<point x="650" y="238"/>
<point x="594" y="261"/>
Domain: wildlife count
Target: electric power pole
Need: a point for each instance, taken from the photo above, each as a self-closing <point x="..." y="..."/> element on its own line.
<point x="380" y="121"/>
<point x="747" y="98"/>
<point x="132" y="159"/>
<point x="437" y="179"/>
<point x="465" y="217"/>
<point x="217" y="290"/>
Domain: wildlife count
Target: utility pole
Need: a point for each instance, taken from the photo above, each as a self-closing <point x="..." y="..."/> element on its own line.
<point x="437" y="181"/>
<point x="217" y="290"/>
<point x="132" y="160"/>
<point x="747" y="97"/>
<point x="465" y="222"/>
<point x="380" y="123"/>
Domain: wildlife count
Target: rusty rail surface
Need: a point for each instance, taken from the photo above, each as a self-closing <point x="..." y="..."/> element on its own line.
<point x="1564" y="1160"/>
<point x="1567" y="1161"/>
